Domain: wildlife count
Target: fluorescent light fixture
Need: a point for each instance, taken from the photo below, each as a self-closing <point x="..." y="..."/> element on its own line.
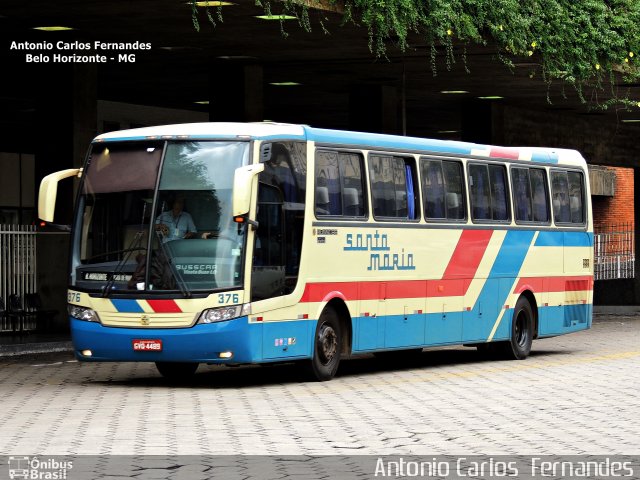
<point x="216" y="3"/>
<point x="236" y="57"/>
<point x="631" y="120"/>
<point x="170" y="48"/>
<point x="453" y="92"/>
<point x="53" y="29"/>
<point x="285" y="84"/>
<point x="275" y="17"/>
<point x="491" y="97"/>
<point x="448" y="131"/>
<point x="202" y="102"/>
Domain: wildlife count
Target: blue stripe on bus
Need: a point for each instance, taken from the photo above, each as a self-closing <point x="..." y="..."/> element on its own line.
<point x="478" y="322"/>
<point x="320" y="135"/>
<point x="567" y="239"/>
<point x="546" y="157"/>
<point x="127" y="306"/>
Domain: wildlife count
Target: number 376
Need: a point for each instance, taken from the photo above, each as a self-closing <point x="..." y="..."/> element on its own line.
<point x="228" y="298"/>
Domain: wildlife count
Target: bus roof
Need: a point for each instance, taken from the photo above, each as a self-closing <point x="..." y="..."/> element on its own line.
<point x="275" y="131"/>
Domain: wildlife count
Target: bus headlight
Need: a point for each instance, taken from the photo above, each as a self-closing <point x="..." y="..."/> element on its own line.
<point x="83" y="313"/>
<point x="222" y="314"/>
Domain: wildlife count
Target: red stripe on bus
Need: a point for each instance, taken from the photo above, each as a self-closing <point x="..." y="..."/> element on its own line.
<point x="164" y="306"/>
<point x="351" y="291"/>
<point x="555" y="284"/>
<point x="319" y="292"/>
<point x="467" y="255"/>
<point x="498" y="152"/>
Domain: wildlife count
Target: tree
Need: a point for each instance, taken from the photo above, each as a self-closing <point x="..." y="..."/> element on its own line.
<point x="583" y="43"/>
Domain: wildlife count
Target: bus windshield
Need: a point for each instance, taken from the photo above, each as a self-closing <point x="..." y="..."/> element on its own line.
<point x="156" y="216"/>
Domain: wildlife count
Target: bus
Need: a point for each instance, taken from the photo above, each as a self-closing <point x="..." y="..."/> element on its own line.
<point x="248" y="243"/>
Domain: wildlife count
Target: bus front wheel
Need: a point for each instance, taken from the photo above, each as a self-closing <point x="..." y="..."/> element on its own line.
<point x="519" y="345"/>
<point x="176" y="370"/>
<point x="327" y="346"/>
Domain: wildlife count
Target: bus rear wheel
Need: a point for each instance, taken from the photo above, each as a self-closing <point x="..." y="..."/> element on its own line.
<point x="327" y="346"/>
<point x="176" y="370"/>
<point x="519" y="345"/>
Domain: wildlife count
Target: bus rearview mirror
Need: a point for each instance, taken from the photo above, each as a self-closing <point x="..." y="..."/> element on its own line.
<point x="244" y="180"/>
<point x="49" y="191"/>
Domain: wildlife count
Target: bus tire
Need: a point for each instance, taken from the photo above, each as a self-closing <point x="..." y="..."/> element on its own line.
<point x="177" y="370"/>
<point x="327" y="345"/>
<point x="519" y="345"/>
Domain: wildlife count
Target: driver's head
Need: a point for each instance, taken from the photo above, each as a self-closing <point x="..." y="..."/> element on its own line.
<point x="178" y="204"/>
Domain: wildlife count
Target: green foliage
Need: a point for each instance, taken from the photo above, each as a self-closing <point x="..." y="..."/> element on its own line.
<point x="580" y="42"/>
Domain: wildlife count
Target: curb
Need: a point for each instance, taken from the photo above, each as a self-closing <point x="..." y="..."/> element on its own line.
<point x="35" y="348"/>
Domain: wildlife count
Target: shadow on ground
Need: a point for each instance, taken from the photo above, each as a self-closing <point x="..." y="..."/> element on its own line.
<point x="291" y="373"/>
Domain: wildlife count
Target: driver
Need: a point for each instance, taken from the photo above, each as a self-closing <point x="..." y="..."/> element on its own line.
<point x="175" y="224"/>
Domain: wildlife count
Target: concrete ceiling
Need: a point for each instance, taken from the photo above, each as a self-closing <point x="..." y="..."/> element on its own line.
<point x="176" y="72"/>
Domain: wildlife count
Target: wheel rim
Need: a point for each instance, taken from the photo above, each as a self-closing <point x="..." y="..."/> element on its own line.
<point x="521" y="331"/>
<point x="327" y="344"/>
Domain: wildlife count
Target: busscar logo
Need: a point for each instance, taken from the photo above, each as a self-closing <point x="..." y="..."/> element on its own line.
<point x="144" y="320"/>
<point x="34" y="468"/>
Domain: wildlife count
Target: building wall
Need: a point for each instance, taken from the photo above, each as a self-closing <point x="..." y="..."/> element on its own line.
<point x="617" y="210"/>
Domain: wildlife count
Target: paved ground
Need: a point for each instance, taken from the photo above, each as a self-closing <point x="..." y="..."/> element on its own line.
<point x="575" y="394"/>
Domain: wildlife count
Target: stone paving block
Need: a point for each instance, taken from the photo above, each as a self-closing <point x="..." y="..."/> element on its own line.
<point x="576" y="393"/>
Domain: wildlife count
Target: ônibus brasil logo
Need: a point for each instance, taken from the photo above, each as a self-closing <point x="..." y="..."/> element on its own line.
<point x="34" y="468"/>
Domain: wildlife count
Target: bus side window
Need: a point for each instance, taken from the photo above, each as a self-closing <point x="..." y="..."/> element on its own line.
<point x="351" y="172"/>
<point x="328" y="188"/>
<point x="576" y="197"/>
<point x="560" y="195"/>
<point x="499" y="192"/>
<point x="454" y="182"/>
<point x="339" y="184"/>
<point x="434" y="190"/>
<point x="530" y="194"/>
<point x="521" y="193"/>
<point x="489" y="192"/>
<point x="540" y="200"/>
<point x="393" y="187"/>
<point x="443" y="190"/>
<point x="480" y="192"/>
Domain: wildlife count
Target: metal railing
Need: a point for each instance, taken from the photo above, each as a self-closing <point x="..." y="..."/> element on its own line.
<point x="17" y="275"/>
<point x="614" y="252"/>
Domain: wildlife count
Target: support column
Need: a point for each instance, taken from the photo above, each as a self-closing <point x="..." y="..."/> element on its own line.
<point x="374" y="108"/>
<point x="65" y="123"/>
<point x="236" y="93"/>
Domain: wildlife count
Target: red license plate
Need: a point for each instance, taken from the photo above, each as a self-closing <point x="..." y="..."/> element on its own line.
<point x="147" y="345"/>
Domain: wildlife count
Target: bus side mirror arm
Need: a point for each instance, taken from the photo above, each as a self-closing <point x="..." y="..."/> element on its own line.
<point x="49" y="191"/>
<point x="244" y="182"/>
<point x="245" y="220"/>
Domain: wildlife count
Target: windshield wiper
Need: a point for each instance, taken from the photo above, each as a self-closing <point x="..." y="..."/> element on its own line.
<point x="184" y="289"/>
<point x="133" y="246"/>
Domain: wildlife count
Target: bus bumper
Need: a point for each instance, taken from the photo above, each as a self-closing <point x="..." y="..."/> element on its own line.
<point x="200" y="343"/>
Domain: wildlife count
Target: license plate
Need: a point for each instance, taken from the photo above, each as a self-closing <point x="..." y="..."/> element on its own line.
<point x="147" y="345"/>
